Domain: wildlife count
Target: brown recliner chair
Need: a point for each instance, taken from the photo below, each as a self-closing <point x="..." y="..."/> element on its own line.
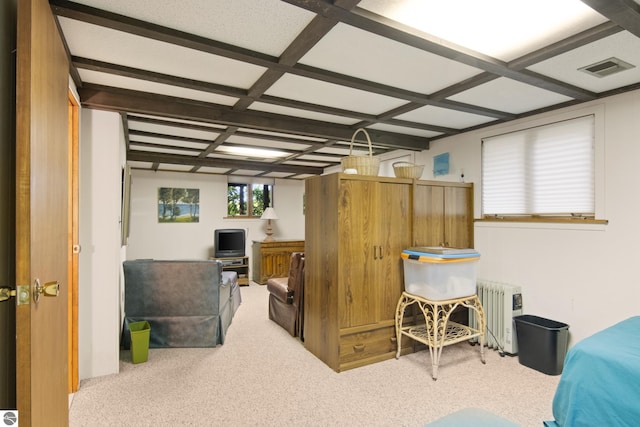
<point x="286" y="297"/>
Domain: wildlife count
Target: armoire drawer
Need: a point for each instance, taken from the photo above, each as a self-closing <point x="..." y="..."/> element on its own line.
<point x="367" y="344"/>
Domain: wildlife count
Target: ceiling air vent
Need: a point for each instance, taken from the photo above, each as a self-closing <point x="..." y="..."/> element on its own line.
<point x="606" y="67"/>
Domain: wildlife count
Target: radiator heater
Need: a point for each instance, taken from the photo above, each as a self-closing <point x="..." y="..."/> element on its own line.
<point x="501" y="302"/>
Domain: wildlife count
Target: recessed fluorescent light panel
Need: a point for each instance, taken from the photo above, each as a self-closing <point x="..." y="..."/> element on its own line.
<point x="252" y="152"/>
<point x="499" y="28"/>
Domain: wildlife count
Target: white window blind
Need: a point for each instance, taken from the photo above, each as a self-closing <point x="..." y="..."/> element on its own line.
<point x="545" y="170"/>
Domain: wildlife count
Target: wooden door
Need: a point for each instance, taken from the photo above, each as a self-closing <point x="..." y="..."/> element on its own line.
<point x="42" y="171"/>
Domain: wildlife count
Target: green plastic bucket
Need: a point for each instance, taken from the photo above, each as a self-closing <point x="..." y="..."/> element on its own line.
<point x="139" y="341"/>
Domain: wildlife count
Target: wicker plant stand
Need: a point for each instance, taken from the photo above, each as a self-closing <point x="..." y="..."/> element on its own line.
<point x="438" y="331"/>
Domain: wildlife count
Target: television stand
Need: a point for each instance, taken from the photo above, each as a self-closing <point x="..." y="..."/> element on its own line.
<point x="238" y="264"/>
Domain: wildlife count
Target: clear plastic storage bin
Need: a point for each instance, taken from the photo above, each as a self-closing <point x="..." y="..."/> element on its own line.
<point x="440" y="276"/>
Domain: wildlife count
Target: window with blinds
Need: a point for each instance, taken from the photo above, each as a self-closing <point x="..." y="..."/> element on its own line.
<point x="546" y="170"/>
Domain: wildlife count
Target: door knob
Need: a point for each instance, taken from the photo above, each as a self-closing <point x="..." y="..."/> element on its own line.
<point x="49" y="289"/>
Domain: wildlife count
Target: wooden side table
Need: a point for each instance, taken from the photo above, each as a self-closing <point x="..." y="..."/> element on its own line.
<point x="272" y="259"/>
<point x="438" y="331"/>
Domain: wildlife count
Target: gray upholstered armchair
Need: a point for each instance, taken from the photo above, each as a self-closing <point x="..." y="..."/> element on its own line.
<point x="286" y="297"/>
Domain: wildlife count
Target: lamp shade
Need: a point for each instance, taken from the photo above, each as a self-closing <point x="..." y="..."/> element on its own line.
<point x="269" y="213"/>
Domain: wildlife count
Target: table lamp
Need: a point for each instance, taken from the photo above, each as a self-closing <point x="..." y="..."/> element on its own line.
<point x="269" y="214"/>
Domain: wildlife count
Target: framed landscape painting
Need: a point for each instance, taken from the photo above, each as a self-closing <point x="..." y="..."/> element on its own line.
<point x="178" y="204"/>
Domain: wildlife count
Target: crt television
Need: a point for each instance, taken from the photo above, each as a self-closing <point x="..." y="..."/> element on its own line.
<point x="229" y="242"/>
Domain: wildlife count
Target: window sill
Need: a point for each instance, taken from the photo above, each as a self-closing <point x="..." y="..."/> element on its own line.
<point x="539" y="223"/>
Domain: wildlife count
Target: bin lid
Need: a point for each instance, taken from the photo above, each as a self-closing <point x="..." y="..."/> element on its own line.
<point x="439" y="254"/>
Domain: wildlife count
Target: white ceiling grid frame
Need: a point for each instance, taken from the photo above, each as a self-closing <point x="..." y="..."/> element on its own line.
<point x="103" y="44"/>
<point x="623" y="46"/>
<point x="510" y="96"/>
<point x="384" y="61"/>
<point x="270" y="25"/>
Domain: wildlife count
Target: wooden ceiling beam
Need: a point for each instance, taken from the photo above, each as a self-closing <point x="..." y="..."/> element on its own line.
<point x="105" y="98"/>
<point x="625" y="13"/>
<point x="145" y="156"/>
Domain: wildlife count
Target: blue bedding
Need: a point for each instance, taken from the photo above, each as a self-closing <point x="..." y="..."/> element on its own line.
<point x="600" y="383"/>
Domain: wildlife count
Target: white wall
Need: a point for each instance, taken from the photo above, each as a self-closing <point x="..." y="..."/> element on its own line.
<point x="582" y="275"/>
<point x="151" y="239"/>
<point x="585" y="276"/>
<point x="101" y="142"/>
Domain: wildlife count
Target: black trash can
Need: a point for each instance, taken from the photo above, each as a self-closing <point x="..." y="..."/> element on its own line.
<point x="542" y="343"/>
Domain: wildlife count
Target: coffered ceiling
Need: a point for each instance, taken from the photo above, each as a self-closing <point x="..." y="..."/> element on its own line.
<point x="198" y="82"/>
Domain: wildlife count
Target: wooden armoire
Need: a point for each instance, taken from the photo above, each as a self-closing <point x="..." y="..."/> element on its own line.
<point x="355" y="230"/>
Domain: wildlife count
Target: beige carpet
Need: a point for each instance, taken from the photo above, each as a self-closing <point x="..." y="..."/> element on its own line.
<point x="262" y="376"/>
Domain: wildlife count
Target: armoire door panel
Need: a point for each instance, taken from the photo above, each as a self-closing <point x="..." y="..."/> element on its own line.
<point x="458" y="217"/>
<point x="356" y="218"/>
<point x="394" y="235"/>
<point x="428" y="215"/>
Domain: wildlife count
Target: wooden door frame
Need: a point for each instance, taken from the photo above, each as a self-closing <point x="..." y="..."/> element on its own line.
<point x="73" y="245"/>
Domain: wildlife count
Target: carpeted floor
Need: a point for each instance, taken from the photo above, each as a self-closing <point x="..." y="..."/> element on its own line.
<point x="262" y="376"/>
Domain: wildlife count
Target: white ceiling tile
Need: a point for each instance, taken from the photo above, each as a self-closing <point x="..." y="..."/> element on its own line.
<point x="139" y="165"/>
<point x="165" y="141"/>
<point x="334" y="149"/>
<point x="332" y="95"/>
<point x="300" y="163"/>
<point x="266" y="26"/>
<point x="442" y="117"/>
<point x="278" y="174"/>
<point x="167" y="151"/>
<point x="99" y="43"/>
<point x="381" y="60"/>
<point x="304" y="114"/>
<point x="302" y="138"/>
<point x="318" y="158"/>
<point x="172" y="130"/>
<point x="246" y="172"/>
<point x="509" y="96"/>
<point x="113" y="80"/>
<point x="265" y="143"/>
<point x="565" y="67"/>
<point x="173" y="167"/>
<point x="208" y="169"/>
<point x="404" y="130"/>
<point x="214" y="127"/>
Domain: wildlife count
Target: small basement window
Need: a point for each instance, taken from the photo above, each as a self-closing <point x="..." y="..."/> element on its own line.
<point x="248" y="197"/>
